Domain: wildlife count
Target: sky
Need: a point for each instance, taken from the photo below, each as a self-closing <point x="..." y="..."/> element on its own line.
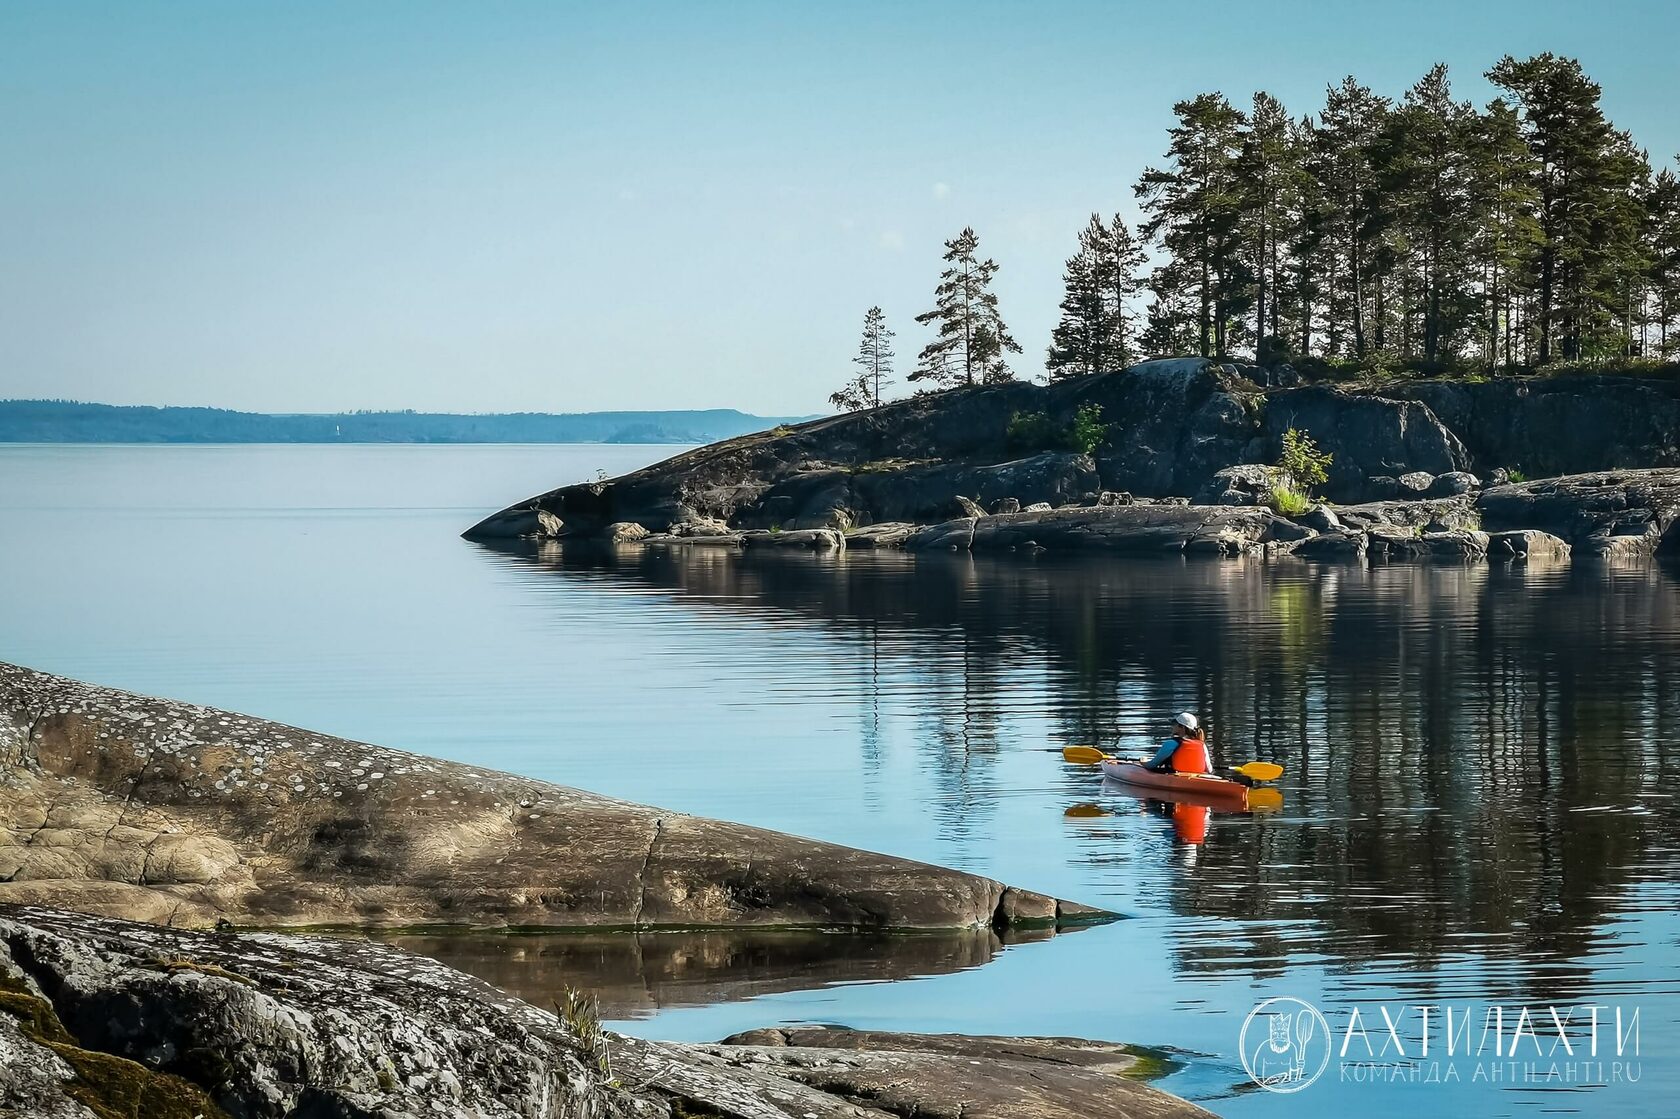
<point x="567" y="207"/>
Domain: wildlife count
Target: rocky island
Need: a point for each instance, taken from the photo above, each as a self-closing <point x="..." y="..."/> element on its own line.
<point x="1421" y="469"/>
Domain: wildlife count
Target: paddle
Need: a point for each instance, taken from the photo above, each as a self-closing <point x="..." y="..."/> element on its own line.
<point x="1090" y="755"/>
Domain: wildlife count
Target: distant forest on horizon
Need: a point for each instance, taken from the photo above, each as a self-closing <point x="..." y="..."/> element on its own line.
<point x="68" y="421"/>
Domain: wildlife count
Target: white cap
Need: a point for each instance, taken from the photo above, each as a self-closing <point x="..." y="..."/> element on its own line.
<point x="1186" y="720"/>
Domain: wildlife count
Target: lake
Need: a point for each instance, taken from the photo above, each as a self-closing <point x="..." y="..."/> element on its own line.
<point x="1478" y="804"/>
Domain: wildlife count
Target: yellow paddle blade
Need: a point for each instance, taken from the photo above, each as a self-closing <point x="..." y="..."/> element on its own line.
<point x="1259" y="771"/>
<point x="1083" y="755"/>
<point x="1264" y="800"/>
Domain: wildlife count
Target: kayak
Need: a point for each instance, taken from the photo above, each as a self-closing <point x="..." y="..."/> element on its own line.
<point x="1194" y="787"/>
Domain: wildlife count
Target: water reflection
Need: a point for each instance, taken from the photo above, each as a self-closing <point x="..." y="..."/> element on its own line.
<point x="638" y="975"/>
<point x="1478" y="756"/>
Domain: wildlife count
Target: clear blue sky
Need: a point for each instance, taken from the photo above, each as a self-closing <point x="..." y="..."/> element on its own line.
<point x="488" y="206"/>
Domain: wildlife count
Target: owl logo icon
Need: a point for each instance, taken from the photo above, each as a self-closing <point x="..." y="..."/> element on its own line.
<point x="1285" y="1044"/>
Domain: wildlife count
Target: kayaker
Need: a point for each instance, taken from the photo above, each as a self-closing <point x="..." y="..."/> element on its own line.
<point x="1185" y="751"/>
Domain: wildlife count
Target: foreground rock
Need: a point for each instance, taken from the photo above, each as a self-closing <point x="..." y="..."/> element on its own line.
<point x="104" y="1017"/>
<point x="953" y="1076"/>
<point x="119" y="804"/>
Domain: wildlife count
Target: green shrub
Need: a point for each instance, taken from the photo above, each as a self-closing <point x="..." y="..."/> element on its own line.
<point x="1035" y="431"/>
<point x="1030" y="431"/>
<point x="1087" y="432"/>
<point x="1303" y="464"/>
<point x="1289" y="502"/>
<point x="1515" y="475"/>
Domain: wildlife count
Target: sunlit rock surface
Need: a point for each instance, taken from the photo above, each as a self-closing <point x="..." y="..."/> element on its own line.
<point x="125" y="805"/>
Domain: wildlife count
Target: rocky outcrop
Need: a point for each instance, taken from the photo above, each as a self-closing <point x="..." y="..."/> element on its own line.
<point x="1557" y="425"/>
<point x="1368" y="435"/>
<point x="111" y="1017"/>
<point x="1613" y="514"/>
<point x="120" y="804"/>
<point x="106" y="1017"/>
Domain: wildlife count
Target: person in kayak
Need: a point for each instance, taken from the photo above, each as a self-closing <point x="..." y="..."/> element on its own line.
<point x="1185" y="752"/>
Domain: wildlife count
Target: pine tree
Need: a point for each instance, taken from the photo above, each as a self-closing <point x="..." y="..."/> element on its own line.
<point x="1425" y="164"/>
<point x="1195" y="210"/>
<point x="1076" y="340"/>
<point x="1584" y="176"/>
<point x="1271" y="172"/>
<point x="1506" y="233"/>
<point x="875" y="354"/>
<point x="1094" y="334"/>
<point x="972" y="337"/>
<point x="1662" y="226"/>
<point x="1343" y="162"/>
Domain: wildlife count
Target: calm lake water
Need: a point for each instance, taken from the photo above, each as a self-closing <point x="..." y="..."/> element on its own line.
<point x="1479" y="805"/>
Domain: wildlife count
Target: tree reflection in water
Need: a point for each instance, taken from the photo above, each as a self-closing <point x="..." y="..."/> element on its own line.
<point x="1478" y="756"/>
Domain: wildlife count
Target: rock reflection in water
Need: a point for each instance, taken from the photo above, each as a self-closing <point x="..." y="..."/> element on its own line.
<point x="636" y="975"/>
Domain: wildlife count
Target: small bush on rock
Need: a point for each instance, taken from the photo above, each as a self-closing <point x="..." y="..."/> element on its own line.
<point x="1035" y="431"/>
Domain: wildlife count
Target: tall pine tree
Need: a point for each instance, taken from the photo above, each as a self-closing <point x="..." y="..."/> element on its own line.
<point x="971" y="336"/>
<point x="874" y="363"/>
<point x="1585" y="172"/>
<point x="1195" y="207"/>
<point x="1094" y="334"/>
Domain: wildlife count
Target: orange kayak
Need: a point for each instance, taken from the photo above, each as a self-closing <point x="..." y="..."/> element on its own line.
<point x="1193" y="787"/>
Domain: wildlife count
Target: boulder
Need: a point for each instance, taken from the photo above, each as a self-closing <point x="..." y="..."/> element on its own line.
<point x="966" y="508"/>
<point x="1525" y="545"/>
<point x="1335" y="544"/>
<point x="1320" y="518"/>
<point x="625" y="532"/>
<point x="1112" y="497"/>
<point x="1249" y="484"/>
<point x="1416" y="483"/>
<point x="1038" y="507"/>
<point x="1454" y="483"/>
<point x="887" y="534"/>
<point x="1391" y="542"/>
<point x="1006" y="505"/>
<point x="705" y="527"/>
<point x="818" y="539"/>
<point x="129" y="806"/>
<point x="549" y="526"/>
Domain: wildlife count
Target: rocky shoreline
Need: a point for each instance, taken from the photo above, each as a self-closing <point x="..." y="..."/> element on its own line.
<point x="145" y="808"/>
<point x="101" y="1017"/>
<point x="1420" y="471"/>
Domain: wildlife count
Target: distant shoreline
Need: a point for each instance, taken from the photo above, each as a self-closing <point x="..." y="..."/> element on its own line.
<point x="52" y="421"/>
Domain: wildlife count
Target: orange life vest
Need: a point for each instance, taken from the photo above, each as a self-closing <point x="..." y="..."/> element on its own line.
<point x="1191" y="757"/>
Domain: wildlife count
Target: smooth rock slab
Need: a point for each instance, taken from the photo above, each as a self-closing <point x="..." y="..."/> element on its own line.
<point x="130" y="806"/>
<point x="952" y="1076"/>
<point x="1140" y="529"/>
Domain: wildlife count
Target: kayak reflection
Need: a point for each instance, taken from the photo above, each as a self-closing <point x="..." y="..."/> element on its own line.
<point x="1190" y="812"/>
